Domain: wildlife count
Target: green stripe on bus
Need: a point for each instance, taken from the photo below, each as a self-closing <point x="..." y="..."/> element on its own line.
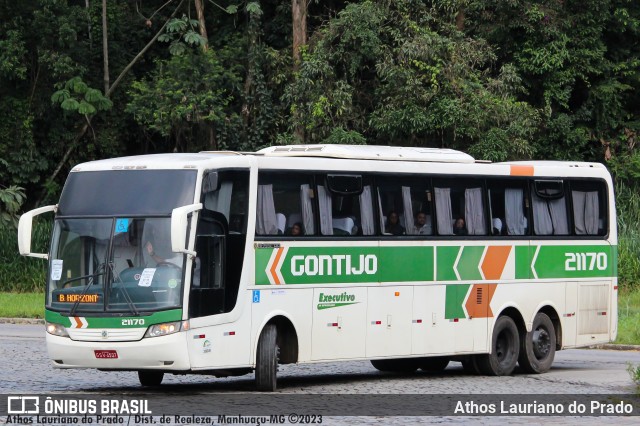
<point x="116" y="322"/>
<point x="468" y="266"/>
<point x="446" y="258"/>
<point x="573" y="261"/>
<point x="454" y="300"/>
<point x="405" y="264"/>
<point x="523" y="264"/>
<point x="388" y="264"/>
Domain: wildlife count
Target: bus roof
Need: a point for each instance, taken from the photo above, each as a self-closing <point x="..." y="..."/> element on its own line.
<point x="369" y="152"/>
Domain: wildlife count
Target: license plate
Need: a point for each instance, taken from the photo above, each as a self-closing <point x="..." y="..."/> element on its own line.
<point x="109" y="354"/>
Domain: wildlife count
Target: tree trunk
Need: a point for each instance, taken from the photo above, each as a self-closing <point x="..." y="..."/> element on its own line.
<point x="203" y="28"/>
<point x="299" y="14"/>
<point x="105" y="48"/>
<point x="460" y="20"/>
<point x="86" y="6"/>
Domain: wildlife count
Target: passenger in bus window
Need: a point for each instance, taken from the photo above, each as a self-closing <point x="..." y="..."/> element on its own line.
<point x="423" y="224"/>
<point x="497" y="226"/>
<point x="459" y="228"/>
<point x="296" y="229"/>
<point x="393" y="226"/>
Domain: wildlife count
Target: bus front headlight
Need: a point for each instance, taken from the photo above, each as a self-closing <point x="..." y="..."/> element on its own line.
<point x="57" y="330"/>
<point x="165" y="329"/>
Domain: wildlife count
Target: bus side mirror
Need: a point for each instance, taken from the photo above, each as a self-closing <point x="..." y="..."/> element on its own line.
<point x="24" y="231"/>
<point x="179" y="223"/>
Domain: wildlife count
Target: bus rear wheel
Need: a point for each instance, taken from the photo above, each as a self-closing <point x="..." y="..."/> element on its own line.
<point x="505" y="347"/>
<point x="150" y="378"/>
<point x="408" y="365"/>
<point x="267" y="359"/>
<point x="538" y="347"/>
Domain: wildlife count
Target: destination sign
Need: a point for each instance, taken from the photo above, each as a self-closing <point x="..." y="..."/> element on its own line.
<point x="81" y="298"/>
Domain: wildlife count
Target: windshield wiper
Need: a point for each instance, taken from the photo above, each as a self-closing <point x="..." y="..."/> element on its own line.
<point x="70" y="280"/>
<point x="132" y="306"/>
<point x="72" y="312"/>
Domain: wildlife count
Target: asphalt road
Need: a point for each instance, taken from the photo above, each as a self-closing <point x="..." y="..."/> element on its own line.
<point x="26" y="369"/>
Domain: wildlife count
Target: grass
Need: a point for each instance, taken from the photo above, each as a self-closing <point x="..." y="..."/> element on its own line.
<point x="629" y="318"/>
<point x="21" y="305"/>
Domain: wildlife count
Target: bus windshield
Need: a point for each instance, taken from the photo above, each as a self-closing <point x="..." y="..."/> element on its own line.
<point x="114" y="264"/>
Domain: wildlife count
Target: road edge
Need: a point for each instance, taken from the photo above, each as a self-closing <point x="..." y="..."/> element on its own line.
<point x="607" y="346"/>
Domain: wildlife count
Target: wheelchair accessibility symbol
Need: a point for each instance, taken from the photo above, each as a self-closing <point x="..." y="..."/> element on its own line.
<point x="256" y="296"/>
<point x="122" y="225"/>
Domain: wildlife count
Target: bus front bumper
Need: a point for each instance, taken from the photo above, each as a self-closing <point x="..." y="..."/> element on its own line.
<point x="167" y="353"/>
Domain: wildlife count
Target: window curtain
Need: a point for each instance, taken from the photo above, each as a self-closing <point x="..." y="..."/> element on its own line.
<point x="443" y="211"/>
<point x="220" y="200"/>
<point x="585" y="212"/>
<point x="558" y="210"/>
<point x="542" y="224"/>
<point x="326" y="220"/>
<point x="407" y="206"/>
<point x="382" y="216"/>
<point x="474" y="212"/>
<point x="266" y="221"/>
<point x="550" y="216"/>
<point x="306" y="207"/>
<point x="516" y="221"/>
<point x="366" y="211"/>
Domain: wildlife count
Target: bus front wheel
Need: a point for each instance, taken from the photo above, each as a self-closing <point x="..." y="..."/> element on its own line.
<point x="150" y="378"/>
<point x="505" y="347"/>
<point x="267" y="359"/>
<point x="538" y="347"/>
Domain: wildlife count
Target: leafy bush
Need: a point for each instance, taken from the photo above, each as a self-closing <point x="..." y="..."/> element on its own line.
<point x="11" y="199"/>
<point x="628" y="205"/>
<point x="634" y="372"/>
<point x="23" y="274"/>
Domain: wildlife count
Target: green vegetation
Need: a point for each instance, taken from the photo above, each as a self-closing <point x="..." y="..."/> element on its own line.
<point x="502" y="80"/>
<point x="629" y="318"/>
<point x="634" y="372"/>
<point x="21" y="305"/>
<point x="24" y="274"/>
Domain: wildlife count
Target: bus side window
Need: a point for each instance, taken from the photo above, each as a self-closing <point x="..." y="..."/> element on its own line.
<point x="346" y="205"/>
<point x="460" y="207"/>
<point x="507" y="207"/>
<point x="588" y="199"/>
<point x="549" y="206"/>
<point x="285" y="204"/>
<point x="404" y="205"/>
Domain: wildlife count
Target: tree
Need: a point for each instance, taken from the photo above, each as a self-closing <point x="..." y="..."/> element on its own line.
<point x="402" y="74"/>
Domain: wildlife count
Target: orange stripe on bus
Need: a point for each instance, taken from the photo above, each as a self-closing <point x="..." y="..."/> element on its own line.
<point x="479" y="302"/>
<point x="275" y="264"/>
<point x="521" y="170"/>
<point x="494" y="261"/>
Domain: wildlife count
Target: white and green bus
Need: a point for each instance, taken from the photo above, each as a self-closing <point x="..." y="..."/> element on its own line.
<point x="224" y="263"/>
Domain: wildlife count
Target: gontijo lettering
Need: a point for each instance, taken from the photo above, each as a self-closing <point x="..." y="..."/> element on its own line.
<point x="337" y="264"/>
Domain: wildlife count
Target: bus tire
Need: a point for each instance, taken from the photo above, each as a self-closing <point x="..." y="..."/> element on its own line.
<point x="267" y="359"/>
<point x="505" y="347"/>
<point x="470" y="365"/>
<point x="538" y="347"/>
<point x="150" y="377"/>
<point x="407" y="365"/>
<point x="434" y="364"/>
